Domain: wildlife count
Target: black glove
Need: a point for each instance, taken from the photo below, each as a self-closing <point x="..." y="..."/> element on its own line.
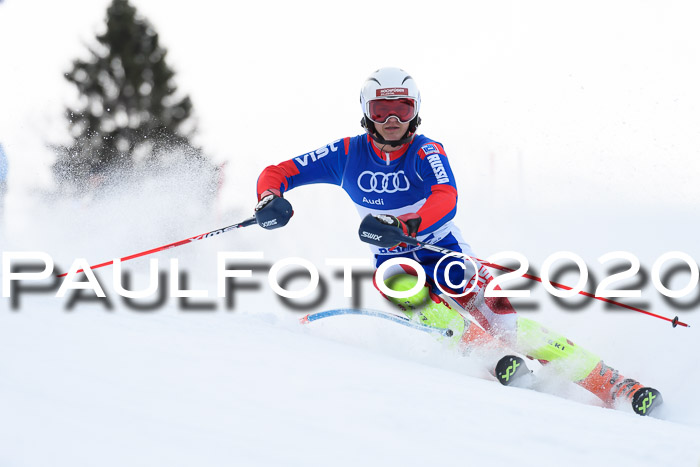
<point x="272" y="211"/>
<point x="389" y="231"/>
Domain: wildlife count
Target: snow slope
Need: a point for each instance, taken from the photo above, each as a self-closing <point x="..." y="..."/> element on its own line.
<point x="255" y="389"/>
<point x="92" y="385"/>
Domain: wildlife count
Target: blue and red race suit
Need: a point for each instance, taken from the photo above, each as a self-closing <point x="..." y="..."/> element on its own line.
<point x="416" y="178"/>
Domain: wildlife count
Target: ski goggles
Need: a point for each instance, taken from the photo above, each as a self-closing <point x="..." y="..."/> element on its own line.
<point x="379" y="110"/>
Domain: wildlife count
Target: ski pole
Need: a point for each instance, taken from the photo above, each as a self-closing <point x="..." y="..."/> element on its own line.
<point x="245" y="223"/>
<point x="381" y="231"/>
<point x="412" y="241"/>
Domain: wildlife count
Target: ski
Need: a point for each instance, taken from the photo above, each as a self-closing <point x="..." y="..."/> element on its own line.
<point x="646" y="400"/>
<point x="377" y="314"/>
<point x="512" y="370"/>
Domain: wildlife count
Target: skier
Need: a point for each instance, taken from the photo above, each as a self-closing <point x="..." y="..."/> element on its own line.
<point x="403" y="180"/>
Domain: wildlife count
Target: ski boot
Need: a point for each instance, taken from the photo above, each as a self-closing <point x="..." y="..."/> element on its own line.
<point x="615" y="390"/>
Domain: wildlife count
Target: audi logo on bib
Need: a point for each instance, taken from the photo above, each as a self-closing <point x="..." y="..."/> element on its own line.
<point x="380" y="182"/>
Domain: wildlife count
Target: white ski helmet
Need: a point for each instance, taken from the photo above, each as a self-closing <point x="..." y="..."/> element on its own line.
<point x="393" y="84"/>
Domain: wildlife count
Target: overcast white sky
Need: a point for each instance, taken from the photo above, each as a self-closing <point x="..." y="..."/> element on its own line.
<point x="594" y="100"/>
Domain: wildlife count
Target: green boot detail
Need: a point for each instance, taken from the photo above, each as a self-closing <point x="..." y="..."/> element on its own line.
<point x="420" y="307"/>
<point x="538" y="342"/>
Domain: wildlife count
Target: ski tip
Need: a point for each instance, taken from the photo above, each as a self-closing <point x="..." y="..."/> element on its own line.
<point x="304" y="319"/>
<point x="645" y="400"/>
<point x="511" y="368"/>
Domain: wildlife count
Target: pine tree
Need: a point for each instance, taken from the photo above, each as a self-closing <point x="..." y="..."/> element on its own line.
<point x="129" y="114"/>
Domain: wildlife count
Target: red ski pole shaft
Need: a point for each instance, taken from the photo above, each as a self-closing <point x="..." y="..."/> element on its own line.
<point x="674" y="321"/>
<point x="245" y="223"/>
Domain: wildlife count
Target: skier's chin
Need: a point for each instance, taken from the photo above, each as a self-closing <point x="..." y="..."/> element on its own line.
<point x="392" y="137"/>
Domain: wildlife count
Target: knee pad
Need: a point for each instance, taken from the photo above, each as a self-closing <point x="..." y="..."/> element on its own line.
<point x="402" y="283"/>
<point x="422" y="307"/>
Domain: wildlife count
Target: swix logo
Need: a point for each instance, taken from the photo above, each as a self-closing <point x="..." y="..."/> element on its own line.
<point x="371" y="236"/>
<point x="375" y="202"/>
<point x="317" y="154"/>
<point x="269" y="223"/>
<point x="438" y="169"/>
<point x="392" y="92"/>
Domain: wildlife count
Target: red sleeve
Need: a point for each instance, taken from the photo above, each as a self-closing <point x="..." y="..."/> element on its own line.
<point x="276" y="177"/>
<point x="442" y="201"/>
